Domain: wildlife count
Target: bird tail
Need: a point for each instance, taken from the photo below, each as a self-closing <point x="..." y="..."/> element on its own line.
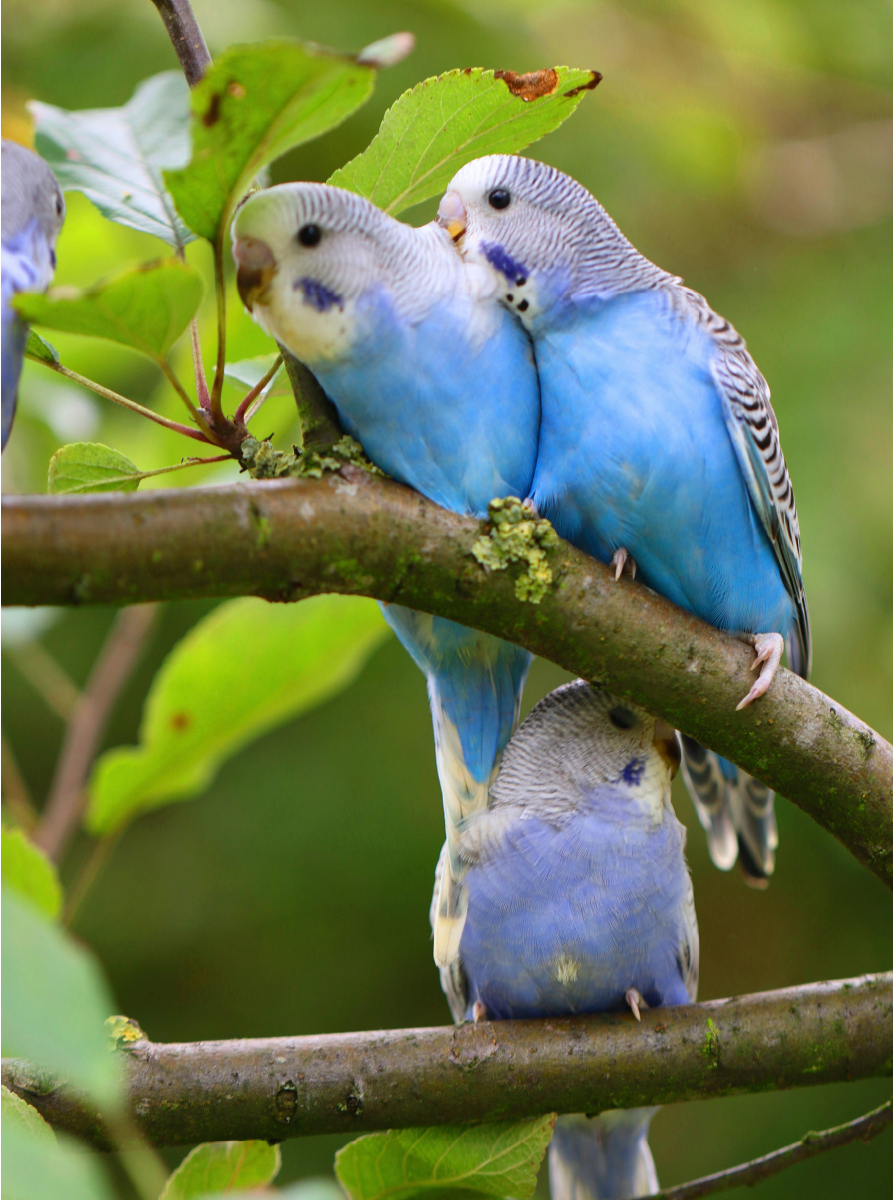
<point x="602" y="1158"/>
<point x="736" y="811"/>
<point x="475" y="683"/>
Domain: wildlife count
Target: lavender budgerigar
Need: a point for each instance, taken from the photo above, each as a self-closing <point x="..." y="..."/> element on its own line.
<point x="436" y="380"/>
<point x="580" y="901"/>
<point x="33" y="212"/>
<point x="658" y="449"/>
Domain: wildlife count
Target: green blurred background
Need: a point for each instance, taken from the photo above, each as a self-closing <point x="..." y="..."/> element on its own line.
<point x="744" y="144"/>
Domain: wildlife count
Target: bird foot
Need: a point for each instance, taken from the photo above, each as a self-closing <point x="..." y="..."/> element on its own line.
<point x="636" y="1000"/>
<point x="621" y="561"/>
<point x="769" y="648"/>
<point x="479" y="1011"/>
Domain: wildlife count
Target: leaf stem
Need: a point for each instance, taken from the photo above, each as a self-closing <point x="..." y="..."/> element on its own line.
<point x="175" y="383"/>
<point x="16" y="795"/>
<point x="240" y="413"/>
<point x="83" y="734"/>
<point x="201" y="383"/>
<point x="53" y="684"/>
<point x="747" y="1174"/>
<point x="99" y="854"/>
<point x="220" y="287"/>
<point x="139" y="475"/>
<point x="117" y="398"/>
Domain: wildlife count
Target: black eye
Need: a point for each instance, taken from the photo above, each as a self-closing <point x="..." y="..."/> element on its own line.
<point x="499" y="198"/>
<point x="310" y="235"/>
<point x="622" y="718"/>
<point x="58" y="206"/>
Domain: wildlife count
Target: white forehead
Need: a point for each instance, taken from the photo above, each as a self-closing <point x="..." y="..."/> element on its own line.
<point x="525" y="178"/>
<point x="276" y="214"/>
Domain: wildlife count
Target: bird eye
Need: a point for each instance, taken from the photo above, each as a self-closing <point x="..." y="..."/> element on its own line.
<point x="58" y="206"/>
<point x="499" y="198"/>
<point x="310" y="235"/>
<point x="621" y="717"/>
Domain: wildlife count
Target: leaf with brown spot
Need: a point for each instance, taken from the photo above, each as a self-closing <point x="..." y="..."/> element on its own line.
<point x="531" y="86"/>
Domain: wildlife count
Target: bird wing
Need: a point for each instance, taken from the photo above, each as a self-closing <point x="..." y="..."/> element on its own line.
<point x="753" y="429"/>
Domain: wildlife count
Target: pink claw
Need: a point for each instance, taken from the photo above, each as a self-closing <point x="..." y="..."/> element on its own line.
<point x="769" y="648"/>
<point x="621" y="559"/>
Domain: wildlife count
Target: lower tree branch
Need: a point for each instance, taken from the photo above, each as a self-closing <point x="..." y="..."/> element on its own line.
<point x="357" y="534"/>
<point x="747" y="1174"/>
<point x="83" y="734"/>
<point x="353" y="1083"/>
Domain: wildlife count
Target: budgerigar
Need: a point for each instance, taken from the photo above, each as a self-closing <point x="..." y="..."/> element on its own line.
<point x="580" y="901"/>
<point x="436" y="381"/>
<point x="33" y="212"/>
<point x="658" y="448"/>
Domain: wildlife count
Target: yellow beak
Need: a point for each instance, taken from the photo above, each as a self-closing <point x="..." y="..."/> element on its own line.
<point x="451" y="215"/>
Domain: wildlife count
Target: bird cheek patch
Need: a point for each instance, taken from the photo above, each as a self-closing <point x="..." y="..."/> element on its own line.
<point x="498" y="258"/>
<point x="317" y="294"/>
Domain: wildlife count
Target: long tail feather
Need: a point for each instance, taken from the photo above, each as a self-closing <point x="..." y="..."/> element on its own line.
<point x="605" y="1158"/>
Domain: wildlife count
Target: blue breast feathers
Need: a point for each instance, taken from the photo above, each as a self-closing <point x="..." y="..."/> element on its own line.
<point x="634" y="453"/>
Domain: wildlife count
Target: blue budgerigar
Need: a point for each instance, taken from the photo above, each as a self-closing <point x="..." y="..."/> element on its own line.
<point x="33" y="212"/>
<point x="579" y="901"/>
<point x="658" y="449"/>
<point x="436" y="380"/>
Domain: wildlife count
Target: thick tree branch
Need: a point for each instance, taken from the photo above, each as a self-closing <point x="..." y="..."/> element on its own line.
<point x="356" y="1082"/>
<point x="862" y="1129"/>
<point x="357" y="534"/>
<point x="186" y="37"/>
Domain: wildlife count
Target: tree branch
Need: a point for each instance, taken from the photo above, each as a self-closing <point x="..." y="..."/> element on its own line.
<point x="84" y="731"/>
<point x="186" y="37"/>
<point x="277" y="1088"/>
<point x="357" y="534"/>
<point x="319" y="419"/>
<point x="862" y="1129"/>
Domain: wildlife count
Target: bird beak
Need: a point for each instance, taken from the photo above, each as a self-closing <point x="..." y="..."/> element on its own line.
<point x="667" y="745"/>
<point x="256" y="268"/>
<point x="451" y="215"/>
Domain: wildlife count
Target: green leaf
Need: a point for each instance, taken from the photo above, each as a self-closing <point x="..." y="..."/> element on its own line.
<point x="54" y="1002"/>
<point x="50" y="1169"/>
<point x="91" y="467"/>
<point x="497" y="1160"/>
<point x="16" y="1114"/>
<point x="39" y="348"/>
<point x="254" y="104"/>
<point x="244" y="669"/>
<point x="115" y="155"/>
<point x="29" y="872"/>
<point x="445" y="122"/>
<point x="223" y="1167"/>
<point x="146" y="307"/>
<point x="250" y="371"/>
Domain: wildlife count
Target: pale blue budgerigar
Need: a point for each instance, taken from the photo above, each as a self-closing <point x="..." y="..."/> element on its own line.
<point x="580" y="901"/>
<point x="33" y="212"/>
<point x="658" y="448"/>
<point x="429" y="372"/>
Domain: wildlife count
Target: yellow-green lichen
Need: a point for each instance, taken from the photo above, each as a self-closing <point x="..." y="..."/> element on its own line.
<point x="261" y="461"/>
<point x="517" y="535"/>
<point x="710" y="1048"/>
<point x="123" y="1031"/>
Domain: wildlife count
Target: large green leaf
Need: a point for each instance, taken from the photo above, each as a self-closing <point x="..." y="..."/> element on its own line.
<point x="146" y="307"/>
<point x="254" y="104"/>
<point x="498" y="1160"/>
<point x="28" y="871"/>
<point x="245" y="668"/>
<point x="54" y="1002"/>
<point x="48" y="1169"/>
<point x="91" y="467"/>
<point x="115" y="155"/>
<point x="445" y="122"/>
<point x="17" y="1114"/>
<point x="223" y="1167"/>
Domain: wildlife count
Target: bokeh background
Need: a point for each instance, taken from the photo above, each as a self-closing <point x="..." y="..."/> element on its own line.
<point x="746" y="145"/>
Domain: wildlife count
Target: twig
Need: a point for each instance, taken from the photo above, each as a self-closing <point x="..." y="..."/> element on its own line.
<point x="186" y="38"/>
<point x="747" y="1174"/>
<point x="357" y="534"/>
<point x="116" y="398"/>
<point x="54" y="685"/>
<point x="255" y="392"/>
<point x="198" y="366"/>
<point x="220" y="287"/>
<point x="352" y="1083"/>
<point x="88" y="874"/>
<point x="16" y="795"/>
<point x="141" y="475"/>
<point x="319" y="419"/>
<point x="197" y="415"/>
<point x="83" y="734"/>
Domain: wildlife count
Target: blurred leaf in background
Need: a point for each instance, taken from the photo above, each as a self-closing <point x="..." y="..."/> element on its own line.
<point x="223" y="1167"/>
